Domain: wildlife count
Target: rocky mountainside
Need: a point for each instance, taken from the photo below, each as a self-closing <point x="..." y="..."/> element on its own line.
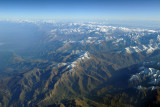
<point x="80" y="64"/>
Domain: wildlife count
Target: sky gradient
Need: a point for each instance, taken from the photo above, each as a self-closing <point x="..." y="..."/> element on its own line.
<point x="81" y="9"/>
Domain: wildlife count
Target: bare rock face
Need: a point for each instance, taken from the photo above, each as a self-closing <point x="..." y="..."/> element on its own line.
<point x="79" y="65"/>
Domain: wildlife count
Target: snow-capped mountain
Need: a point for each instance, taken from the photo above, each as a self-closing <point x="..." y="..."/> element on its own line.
<point x="86" y="63"/>
<point x="128" y="40"/>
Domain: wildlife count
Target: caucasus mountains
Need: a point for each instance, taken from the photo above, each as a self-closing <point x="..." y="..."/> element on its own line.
<point x="78" y="64"/>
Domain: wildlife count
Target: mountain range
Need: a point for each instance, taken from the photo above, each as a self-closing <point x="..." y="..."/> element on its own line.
<point x="70" y="64"/>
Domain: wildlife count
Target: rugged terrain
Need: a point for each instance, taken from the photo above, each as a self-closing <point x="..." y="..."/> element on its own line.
<point x="78" y="64"/>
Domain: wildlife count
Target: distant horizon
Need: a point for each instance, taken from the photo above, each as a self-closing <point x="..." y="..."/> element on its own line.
<point x="133" y="23"/>
<point x="122" y="10"/>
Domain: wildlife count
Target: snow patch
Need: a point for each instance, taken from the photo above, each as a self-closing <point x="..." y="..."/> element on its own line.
<point x="83" y="57"/>
<point x="151" y="73"/>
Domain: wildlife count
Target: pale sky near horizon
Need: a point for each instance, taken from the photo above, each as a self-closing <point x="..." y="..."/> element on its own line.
<point x="81" y="9"/>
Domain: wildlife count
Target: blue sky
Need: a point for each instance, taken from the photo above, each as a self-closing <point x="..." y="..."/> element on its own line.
<point x="81" y="9"/>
